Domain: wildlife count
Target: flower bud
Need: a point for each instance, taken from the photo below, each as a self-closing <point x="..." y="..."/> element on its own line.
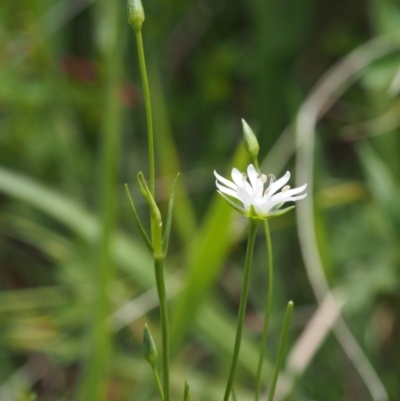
<point x="149" y="347"/>
<point x="135" y="14"/>
<point x="250" y="141"/>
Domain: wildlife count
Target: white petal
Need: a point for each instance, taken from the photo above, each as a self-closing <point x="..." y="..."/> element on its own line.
<point x="256" y="182"/>
<point x="295" y="191"/>
<point x="248" y="188"/>
<point x="282" y="199"/>
<point x="237" y="177"/>
<point x="227" y="191"/>
<point x="224" y="181"/>
<point x="278" y="184"/>
<point x="252" y="174"/>
<point x="245" y="197"/>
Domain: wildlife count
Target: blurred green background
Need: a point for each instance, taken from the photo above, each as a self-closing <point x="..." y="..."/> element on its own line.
<point x="70" y="87"/>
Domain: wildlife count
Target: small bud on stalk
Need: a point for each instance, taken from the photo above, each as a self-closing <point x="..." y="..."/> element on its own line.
<point x="149" y="347"/>
<point x="250" y="141"/>
<point x="135" y="14"/>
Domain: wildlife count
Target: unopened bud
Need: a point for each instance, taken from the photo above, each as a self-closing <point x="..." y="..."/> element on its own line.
<point x="250" y="141"/>
<point x="135" y="14"/>
<point x="149" y="347"/>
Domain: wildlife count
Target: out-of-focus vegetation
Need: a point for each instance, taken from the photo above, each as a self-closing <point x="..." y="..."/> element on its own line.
<point x="211" y="63"/>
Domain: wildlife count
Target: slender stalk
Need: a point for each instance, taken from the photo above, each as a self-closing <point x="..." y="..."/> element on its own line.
<point x="146" y="93"/>
<point x="159" y="272"/>
<point x="281" y="350"/>
<point x="242" y="306"/>
<point x="267" y="309"/>
<point x="159" y="386"/>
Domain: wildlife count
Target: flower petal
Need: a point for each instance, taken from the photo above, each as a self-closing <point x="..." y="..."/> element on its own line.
<point x="227" y="191"/>
<point x="282" y="200"/>
<point x="252" y="174"/>
<point x="278" y="184"/>
<point x="237" y="177"/>
<point x="245" y="196"/>
<point x="294" y="191"/>
<point x="255" y="181"/>
<point x="224" y="181"/>
<point x="288" y="193"/>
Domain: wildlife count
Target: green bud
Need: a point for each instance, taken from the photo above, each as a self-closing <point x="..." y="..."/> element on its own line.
<point x="144" y="189"/>
<point x="149" y="347"/>
<point x="250" y="141"/>
<point x="135" y="14"/>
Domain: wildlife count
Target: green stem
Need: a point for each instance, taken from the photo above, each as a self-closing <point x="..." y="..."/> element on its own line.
<point x="242" y="306"/>
<point x="159" y="272"/>
<point x="267" y="309"/>
<point x="255" y="163"/>
<point x="159" y="386"/>
<point x="282" y="344"/>
<point x="147" y="101"/>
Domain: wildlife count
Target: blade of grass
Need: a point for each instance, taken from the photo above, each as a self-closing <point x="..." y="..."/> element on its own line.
<point x="205" y="255"/>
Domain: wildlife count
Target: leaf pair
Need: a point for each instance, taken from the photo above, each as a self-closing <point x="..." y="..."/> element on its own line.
<point x="160" y="241"/>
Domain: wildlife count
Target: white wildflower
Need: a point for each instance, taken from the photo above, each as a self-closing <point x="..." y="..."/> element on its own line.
<point x="259" y="202"/>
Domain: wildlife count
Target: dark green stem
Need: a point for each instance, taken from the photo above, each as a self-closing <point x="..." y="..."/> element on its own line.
<point x="146" y="93"/>
<point x="159" y="272"/>
<point x="281" y="350"/>
<point x="242" y="306"/>
<point x="267" y="309"/>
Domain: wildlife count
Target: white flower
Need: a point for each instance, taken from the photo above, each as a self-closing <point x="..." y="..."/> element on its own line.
<point x="258" y="203"/>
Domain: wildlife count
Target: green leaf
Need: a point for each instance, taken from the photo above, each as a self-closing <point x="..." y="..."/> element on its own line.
<point x="167" y="231"/>
<point x="233" y="204"/>
<point x="186" y="393"/>
<point x="142" y="231"/>
<point x="205" y="259"/>
<point x="280" y="212"/>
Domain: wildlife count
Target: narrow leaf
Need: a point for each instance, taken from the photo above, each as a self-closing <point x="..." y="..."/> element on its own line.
<point x="137" y="221"/>
<point x="280" y="212"/>
<point x="167" y="231"/>
<point x="233" y="204"/>
<point x="186" y="393"/>
<point x="234" y="397"/>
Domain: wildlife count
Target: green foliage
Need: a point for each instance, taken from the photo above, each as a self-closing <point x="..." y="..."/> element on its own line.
<point x="210" y="65"/>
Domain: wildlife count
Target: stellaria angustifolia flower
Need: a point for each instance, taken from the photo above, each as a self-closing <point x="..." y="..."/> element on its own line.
<point x="258" y="193"/>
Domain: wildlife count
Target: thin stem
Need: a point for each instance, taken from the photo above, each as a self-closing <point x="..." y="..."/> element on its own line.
<point x="256" y="164"/>
<point x="282" y="344"/>
<point x="242" y="306"/>
<point x="147" y="101"/>
<point x="159" y="386"/>
<point x="267" y="309"/>
<point x="159" y="272"/>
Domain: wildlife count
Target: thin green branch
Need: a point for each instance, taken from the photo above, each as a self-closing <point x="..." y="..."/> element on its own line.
<point x="147" y="101"/>
<point x="158" y="382"/>
<point x="159" y="272"/>
<point x="281" y="350"/>
<point x="242" y="306"/>
<point x="267" y="309"/>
